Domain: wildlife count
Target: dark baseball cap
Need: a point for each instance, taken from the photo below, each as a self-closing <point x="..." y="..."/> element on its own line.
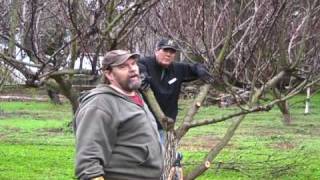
<point x="167" y="43"/>
<point x="117" y="57"/>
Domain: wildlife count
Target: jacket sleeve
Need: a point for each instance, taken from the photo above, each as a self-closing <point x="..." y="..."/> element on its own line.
<point x="196" y="71"/>
<point x="188" y="72"/>
<point x="95" y="136"/>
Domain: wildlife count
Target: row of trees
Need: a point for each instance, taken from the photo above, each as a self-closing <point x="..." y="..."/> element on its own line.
<point x="260" y="46"/>
<point x="53" y="35"/>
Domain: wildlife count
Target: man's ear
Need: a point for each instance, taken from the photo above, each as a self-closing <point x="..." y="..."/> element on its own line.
<point x="156" y="51"/>
<point x="108" y="75"/>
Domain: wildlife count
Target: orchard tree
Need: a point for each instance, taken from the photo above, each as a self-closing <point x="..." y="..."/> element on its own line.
<point x="258" y="46"/>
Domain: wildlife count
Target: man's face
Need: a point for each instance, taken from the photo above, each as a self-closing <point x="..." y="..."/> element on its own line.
<point x="125" y="76"/>
<point x="165" y="56"/>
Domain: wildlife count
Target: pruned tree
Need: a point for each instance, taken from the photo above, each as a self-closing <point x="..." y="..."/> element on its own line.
<point x="258" y="46"/>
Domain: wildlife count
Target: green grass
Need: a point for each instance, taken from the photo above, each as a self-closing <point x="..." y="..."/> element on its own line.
<point x="35" y="143"/>
<point x="262" y="148"/>
<point x="36" y="161"/>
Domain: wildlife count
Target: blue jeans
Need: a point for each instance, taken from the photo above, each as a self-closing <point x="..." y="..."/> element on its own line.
<point x="162" y="134"/>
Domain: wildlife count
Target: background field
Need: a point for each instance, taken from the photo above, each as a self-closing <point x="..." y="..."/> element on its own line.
<point x="35" y="143"/>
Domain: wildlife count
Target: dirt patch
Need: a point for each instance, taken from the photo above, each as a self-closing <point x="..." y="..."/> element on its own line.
<point x="283" y="145"/>
<point x="268" y="132"/>
<point x="50" y="131"/>
<point x="199" y="143"/>
<point x="33" y="115"/>
<point x="315" y="132"/>
<point x="5" y="115"/>
<point x="8" y="130"/>
<point x="2" y="136"/>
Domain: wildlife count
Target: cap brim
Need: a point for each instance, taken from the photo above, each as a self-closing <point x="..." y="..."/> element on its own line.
<point x="126" y="57"/>
<point x="168" y="47"/>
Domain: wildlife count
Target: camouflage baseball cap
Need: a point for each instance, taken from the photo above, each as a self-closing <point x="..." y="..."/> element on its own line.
<point x="117" y="57"/>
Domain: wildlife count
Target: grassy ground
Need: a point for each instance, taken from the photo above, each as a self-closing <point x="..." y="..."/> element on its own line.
<point x="35" y="143"/>
<point x="262" y="148"/>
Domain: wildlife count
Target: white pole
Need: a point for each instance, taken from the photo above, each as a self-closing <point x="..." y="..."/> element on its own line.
<point x="307" y="108"/>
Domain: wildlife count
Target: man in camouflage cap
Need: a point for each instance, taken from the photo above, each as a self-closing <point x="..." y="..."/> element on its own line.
<point x="116" y="134"/>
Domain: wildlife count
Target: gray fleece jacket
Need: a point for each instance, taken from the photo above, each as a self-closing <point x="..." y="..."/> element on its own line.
<point x="116" y="138"/>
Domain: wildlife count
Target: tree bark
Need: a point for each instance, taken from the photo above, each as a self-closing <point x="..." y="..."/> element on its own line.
<point x="66" y="89"/>
<point x="54" y="96"/>
<point x="284" y="107"/>
<point x="170" y="143"/>
<point x="170" y="153"/>
<point x="156" y="109"/>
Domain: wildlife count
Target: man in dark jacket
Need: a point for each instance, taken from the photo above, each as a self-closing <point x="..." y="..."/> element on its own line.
<point x="116" y="134"/>
<point x="165" y="77"/>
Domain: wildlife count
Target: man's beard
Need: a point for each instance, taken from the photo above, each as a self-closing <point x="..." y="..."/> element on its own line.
<point x="134" y="85"/>
<point x="131" y="85"/>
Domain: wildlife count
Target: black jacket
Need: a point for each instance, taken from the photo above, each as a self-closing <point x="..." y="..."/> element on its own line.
<point x="167" y="87"/>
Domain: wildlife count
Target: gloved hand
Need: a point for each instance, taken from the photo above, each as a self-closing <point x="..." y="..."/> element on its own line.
<point x="144" y="82"/>
<point x="204" y="74"/>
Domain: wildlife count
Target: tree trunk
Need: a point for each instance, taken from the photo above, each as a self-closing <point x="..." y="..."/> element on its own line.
<point x="170" y="153"/>
<point x="170" y="144"/>
<point x="53" y="91"/>
<point x="5" y="73"/>
<point x="54" y="96"/>
<point x="68" y="91"/>
<point x="284" y="108"/>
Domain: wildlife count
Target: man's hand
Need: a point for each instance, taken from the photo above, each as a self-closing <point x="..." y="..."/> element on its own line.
<point x="168" y="123"/>
<point x="98" y="178"/>
<point x="204" y="74"/>
<point x="145" y="85"/>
